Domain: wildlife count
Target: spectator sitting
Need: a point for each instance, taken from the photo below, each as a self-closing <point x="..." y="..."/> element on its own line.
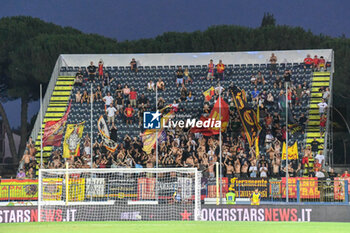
<point x="220" y="68"/>
<point x="189" y="97"/>
<point x="270" y="100"/>
<point x="100" y="69"/>
<point x="133" y="97"/>
<point x="179" y="76"/>
<point x="315" y="62"/>
<point x="106" y="83"/>
<point x="108" y="99"/>
<point x="91" y="70"/>
<point x="183" y="93"/>
<point x="133" y="65"/>
<point x="211" y="67"/>
<point x="21" y="174"/>
<point x="187" y="77"/>
<point x="253" y="80"/>
<point x="129" y="112"/>
<point x="308" y="62"/>
<point x="160" y="85"/>
<point x="110" y="112"/>
<point x="98" y="94"/>
<point x="345" y="174"/>
<point x="260" y="79"/>
<point x="85" y="97"/>
<point x="143" y="101"/>
<point x="78" y="97"/>
<point x="150" y="86"/>
<point x="321" y="63"/>
<point x="79" y="78"/>
<point x="175" y="106"/>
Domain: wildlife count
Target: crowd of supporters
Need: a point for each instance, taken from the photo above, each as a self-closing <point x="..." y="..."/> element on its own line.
<point x="182" y="148"/>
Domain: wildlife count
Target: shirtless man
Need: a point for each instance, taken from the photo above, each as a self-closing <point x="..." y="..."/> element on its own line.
<point x="26" y="159"/>
<point x="237" y="168"/>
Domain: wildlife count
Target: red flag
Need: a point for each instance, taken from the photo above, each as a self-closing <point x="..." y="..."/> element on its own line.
<point x="215" y="114"/>
<point x="53" y="131"/>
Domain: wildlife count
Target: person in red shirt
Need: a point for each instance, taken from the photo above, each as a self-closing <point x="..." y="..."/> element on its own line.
<point x="308" y="62"/>
<point x="211" y="68"/>
<point x="129" y="112"/>
<point x="220" y="68"/>
<point x="100" y="69"/>
<point x="321" y="63"/>
<point x="315" y="62"/>
<point x="345" y="174"/>
<point x="323" y="121"/>
<point x="133" y="97"/>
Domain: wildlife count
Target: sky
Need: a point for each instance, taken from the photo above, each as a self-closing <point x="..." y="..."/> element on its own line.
<point x="130" y="20"/>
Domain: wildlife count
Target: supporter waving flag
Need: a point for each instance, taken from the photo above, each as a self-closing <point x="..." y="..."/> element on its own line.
<point x="246" y="114"/>
<point x="104" y="132"/>
<point x="53" y="131"/>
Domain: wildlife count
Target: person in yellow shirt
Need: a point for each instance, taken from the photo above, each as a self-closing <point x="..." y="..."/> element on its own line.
<point x="255" y="197"/>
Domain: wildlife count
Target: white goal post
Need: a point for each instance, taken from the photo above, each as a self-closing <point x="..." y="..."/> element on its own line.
<point x="119" y="194"/>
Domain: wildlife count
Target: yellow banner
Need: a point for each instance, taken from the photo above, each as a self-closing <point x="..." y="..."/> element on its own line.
<point x="71" y="144"/>
<point x="52" y="189"/>
<point x="17" y="190"/>
<point x="292" y="151"/>
<point x="76" y="189"/>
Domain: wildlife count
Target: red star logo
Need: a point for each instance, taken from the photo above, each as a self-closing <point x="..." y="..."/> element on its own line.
<point x="185" y="215"/>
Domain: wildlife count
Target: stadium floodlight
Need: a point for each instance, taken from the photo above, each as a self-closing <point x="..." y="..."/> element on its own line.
<point x="119" y="194"/>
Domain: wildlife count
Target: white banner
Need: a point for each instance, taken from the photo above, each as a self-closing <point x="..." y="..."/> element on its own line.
<point x="95" y="187"/>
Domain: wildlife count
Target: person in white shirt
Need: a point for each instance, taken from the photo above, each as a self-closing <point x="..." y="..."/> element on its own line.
<point x="150" y="86"/>
<point x="319" y="174"/>
<point x="320" y="157"/>
<point x="219" y="89"/>
<point x="108" y="99"/>
<point x="110" y="111"/>
<point x="322" y="107"/>
<point x="326" y="93"/>
<point x="263" y="171"/>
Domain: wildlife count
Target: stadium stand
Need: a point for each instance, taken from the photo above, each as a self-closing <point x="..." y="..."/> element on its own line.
<point x="252" y="70"/>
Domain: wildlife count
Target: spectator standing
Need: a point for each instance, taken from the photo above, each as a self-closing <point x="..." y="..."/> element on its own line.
<point x="133" y="97"/>
<point x="129" y="112"/>
<point x="220" y="68"/>
<point x="100" y="69"/>
<point x="322" y="107"/>
<point x="323" y="121"/>
<point x="320" y="157"/>
<point x="179" y="76"/>
<point x="326" y="94"/>
<point x="314" y="146"/>
<point x="308" y="62"/>
<point x="91" y="70"/>
<point x="119" y="102"/>
<point x="345" y="174"/>
<point x="211" y="68"/>
<point x="133" y="65"/>
<point x="273" y="61"/>
<point x="108" y="99"/>
<point x="110" y="112"/>
<point x="106" y="84"/>
<point x="78" y="97"/>
<point x="315" y="62"/>
<point x="321" y="63"/>
<point x="187" y="76"/>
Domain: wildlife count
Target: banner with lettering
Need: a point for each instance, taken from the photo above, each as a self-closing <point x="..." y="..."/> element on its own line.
<point x="52" y="189"/>
<point x="18" y="190"/>
<point x="308" y="187"/>
<point x="244" y="187"/>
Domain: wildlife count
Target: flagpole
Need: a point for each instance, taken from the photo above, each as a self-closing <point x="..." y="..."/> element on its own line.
<point x="220" y="143"/>
<point x="41" y="126"/>
<point x="91" y="100"/>
<point x="156" y="129"/>
<point x="287" y="173"/>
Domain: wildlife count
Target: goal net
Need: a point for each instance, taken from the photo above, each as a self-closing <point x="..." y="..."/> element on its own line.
<point x="119" y="194"/>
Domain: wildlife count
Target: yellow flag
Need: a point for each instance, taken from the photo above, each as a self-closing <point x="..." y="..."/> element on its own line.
<point x="292" y="151"/>
<point x="208" y="93"/>
<point x="257" y="147"/>
<point x="71" y="144"/>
